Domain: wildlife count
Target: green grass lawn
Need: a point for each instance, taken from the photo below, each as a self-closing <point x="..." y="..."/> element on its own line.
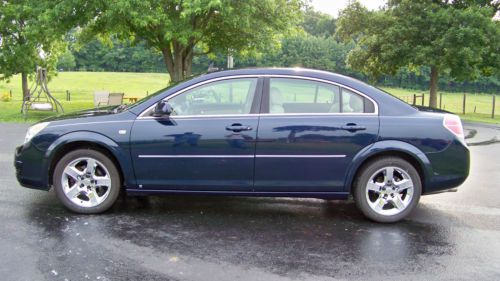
<point x="82" y="85"/>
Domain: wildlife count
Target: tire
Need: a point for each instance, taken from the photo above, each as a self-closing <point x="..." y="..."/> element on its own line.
<point x="397" y="195"/>
<point x="86" y="181"/>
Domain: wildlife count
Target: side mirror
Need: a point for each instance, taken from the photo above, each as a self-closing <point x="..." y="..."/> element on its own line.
<point x="162" y="108"/>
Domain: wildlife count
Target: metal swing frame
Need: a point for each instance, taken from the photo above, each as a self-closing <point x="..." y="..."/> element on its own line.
<point x="35" y="95"/>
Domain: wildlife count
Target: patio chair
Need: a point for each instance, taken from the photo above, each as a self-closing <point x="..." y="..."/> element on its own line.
<point x="101" y="98"/>
<point x="115" y="98"/>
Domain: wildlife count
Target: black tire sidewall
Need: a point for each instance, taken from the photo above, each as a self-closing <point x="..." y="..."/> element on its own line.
<point x="364" y="176"/>
<point x="110" y="166"/>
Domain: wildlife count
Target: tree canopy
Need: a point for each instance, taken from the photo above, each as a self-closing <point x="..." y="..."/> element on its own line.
<point x="182" y="29"/>
<point x="32" y="34"/>
<point x="459" y="38"/>
<point x="408" y="43"/>
<point x="23" y="40"/>
<point x="317" y="23"/>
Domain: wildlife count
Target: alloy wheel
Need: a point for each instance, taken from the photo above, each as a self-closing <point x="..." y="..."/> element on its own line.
<point x="86" y="182"/>
<point x="389" y="191"/>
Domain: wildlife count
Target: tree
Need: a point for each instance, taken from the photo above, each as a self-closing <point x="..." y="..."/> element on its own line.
<point x="32" y="34"/>
<point x="304" y="50"/>
<point x="22" y="42"/>
<point x="66" y="61"/>
<point x="175" y="27"/>
<point x="458" y="38"/>
<point x="120" y="55"/>
<point x="317" y="23"/>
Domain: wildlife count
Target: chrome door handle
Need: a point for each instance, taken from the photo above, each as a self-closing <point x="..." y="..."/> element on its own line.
<point x="351" y="127"/>
<point x="238" y="128"/>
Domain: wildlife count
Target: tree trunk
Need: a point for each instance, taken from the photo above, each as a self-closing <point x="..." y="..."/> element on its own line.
<point x="169" y="62"/>
<point x="178" y="60"/>
<point x="188" y="63"/>
<point x="433" y="87"/>
<point x="24" y="81"/>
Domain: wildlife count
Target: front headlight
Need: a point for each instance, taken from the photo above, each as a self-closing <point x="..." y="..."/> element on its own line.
<point x="35" y="129"/>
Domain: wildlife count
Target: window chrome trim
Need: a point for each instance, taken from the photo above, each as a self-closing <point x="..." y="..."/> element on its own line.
<point x="141" y="116"/>
<point x="301" y="115"/>
<point x="375" y="104"/>
<point x="242" y="156"/>
<point x="222" y="116"/>
<point x="256" y="115"/>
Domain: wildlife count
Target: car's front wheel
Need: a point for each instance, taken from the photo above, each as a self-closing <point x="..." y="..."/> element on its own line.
<point x="387" y="189"/>
<point x="86" y="181"/>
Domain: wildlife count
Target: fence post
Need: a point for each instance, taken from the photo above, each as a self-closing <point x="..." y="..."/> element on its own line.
<point x="10" y="91"/>
<point x="463" y="105"/>
<point x="493" y="110"/>
<point x="414" y="99"/>
<point x="68" y="95"/>
<point x="423" y="98"/>
<point x="440" y="99"/>
<point x="147" y="93"/>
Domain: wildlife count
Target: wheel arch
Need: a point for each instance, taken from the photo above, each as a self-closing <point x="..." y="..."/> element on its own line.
<point x="90" y="140"/>
<point x="400" y="149"/>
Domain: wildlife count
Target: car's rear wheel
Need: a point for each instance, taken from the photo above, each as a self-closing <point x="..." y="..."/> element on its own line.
<point x="387" y="189"/>
<point x="86" y="181"/>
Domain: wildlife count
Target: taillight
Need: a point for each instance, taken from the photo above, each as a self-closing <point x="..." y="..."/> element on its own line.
<point x="454" y="125"/>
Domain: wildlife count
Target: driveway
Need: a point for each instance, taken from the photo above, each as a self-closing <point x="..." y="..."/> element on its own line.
<point x="451" y="236"/>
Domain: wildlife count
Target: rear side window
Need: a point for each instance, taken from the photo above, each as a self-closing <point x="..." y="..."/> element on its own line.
<point x="355" y="103"/>
<point x="287" y="95"/>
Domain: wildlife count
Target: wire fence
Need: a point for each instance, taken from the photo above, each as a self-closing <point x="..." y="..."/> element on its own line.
<point x="460" y="103"/>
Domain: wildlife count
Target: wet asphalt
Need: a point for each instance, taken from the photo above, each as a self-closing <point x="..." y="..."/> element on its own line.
<point x="451" y="236"/>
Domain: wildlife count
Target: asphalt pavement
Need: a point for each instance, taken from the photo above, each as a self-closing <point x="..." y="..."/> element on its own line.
<point x="451" y="236"/>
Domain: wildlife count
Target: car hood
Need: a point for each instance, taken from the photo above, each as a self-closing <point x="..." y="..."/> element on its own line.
<point x="108" y="110"/>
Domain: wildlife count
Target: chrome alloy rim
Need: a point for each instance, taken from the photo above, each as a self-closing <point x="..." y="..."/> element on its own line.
<point x="86" y="182"/>
<point x="389" y="191"/>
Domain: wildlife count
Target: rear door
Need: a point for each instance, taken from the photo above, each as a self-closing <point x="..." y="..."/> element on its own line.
<point x="309" y="132"/>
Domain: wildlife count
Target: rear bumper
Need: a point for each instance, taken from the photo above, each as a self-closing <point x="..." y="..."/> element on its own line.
<point x="31" y="169"/>
<point x="450" y="168"/>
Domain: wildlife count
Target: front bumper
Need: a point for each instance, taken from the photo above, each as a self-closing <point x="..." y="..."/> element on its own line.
<point x="31" y="167"/>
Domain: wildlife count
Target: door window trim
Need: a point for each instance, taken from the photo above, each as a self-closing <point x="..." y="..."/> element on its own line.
<point x="255" y="108"/>
<point x="261" y="93"/>
<point x="267" y="85"/>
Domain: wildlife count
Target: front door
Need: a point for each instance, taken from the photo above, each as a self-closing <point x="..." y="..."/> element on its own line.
<point x="207" y="143"/>
<point x="309" y="133"/>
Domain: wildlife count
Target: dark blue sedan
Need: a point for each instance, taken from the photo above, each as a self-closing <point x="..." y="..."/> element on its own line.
<point x="251" y="132"/>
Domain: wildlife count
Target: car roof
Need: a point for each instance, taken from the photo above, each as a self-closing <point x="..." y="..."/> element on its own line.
<point x="296" y="71"/>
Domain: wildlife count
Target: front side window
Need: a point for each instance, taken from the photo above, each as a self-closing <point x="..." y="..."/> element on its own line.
<point x="287" y="95"/>
<point x="226" y="97"/>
